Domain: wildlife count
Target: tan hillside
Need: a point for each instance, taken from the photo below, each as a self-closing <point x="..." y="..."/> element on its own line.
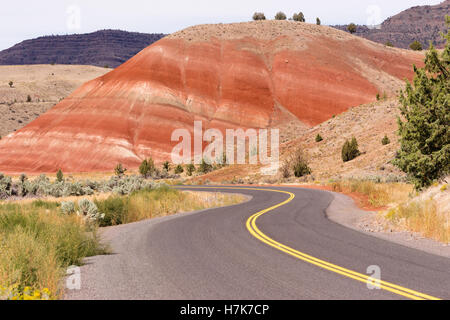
<point x="46" y="85"/>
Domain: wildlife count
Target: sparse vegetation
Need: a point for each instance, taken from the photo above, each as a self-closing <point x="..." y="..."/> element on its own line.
<point x="389" y="44"/>
<point x="378" y="194"/>
<point x="190" y="169"/>
<point x="318" y="22"/>
<point x="295" y="164"/>
<point x="205" y="167"/>
<point x="319" y="138"/>
<point x="299" y="17"/>
<point x="59" y="176"/>
<point x="11" y="84"/>
<point x="385" y="141"/>
<point x="119" y="170"/>
<point x="424" y="130"/>
<point x="351" y="28"/>
<point x="350" y="150"/>
<point x="38" y="244"/>
<point x="29" y="98"/>
<point x="280" y="16"/>
<point x="179" y="169"/>
<point x="259" y="16"/>
<point x="416" y="46"/>
<point x="421" y="216"/>
<point x="166" y="166"/>
<point x="147" y="168"/>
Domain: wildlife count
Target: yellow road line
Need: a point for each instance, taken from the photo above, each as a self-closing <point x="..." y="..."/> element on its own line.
<point x="258" y="234"/>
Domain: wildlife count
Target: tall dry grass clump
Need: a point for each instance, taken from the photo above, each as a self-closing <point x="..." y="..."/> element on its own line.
<point x="422" y="217"/>
<point x="147" y="204"/>
<point x="379" y="194"/>
<point x="38" y="244"/>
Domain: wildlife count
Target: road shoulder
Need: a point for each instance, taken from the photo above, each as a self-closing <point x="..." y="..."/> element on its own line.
<point x="344" y="211"/>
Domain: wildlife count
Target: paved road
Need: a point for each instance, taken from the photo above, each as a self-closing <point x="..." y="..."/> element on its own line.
<point x="288" y="250"/>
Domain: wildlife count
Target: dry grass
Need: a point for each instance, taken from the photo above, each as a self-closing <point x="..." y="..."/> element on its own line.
<point x="38" y="243"/>
<point x="422" y="217"/>
<point x="378" y="194"/>
<point x="45" y="84"/>
<point x="159" y="203"/>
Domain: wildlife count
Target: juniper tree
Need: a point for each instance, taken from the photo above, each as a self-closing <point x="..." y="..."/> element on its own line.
<point x="424" y="127"/>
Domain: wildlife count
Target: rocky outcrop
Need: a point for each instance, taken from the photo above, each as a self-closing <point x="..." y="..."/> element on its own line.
<point x="250" y="75"/>
<point x="102" y="48"/>
<point x="421" y="23"/>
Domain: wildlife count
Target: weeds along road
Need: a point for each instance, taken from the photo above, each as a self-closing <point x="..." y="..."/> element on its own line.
<point x="278" y="245"/>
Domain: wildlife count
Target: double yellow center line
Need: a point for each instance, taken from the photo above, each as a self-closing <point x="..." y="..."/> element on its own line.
<point x="258" y="234"/>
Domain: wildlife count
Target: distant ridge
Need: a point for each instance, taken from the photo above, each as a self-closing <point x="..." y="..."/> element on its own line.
<point x="102" y="48"/>
<point x="421" y="23"/>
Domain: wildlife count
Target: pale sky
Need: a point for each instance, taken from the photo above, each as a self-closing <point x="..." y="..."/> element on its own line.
<point x="26" y="19"/>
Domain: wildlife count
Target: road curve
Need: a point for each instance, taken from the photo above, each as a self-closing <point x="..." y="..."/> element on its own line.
<point x="279" y="245"/>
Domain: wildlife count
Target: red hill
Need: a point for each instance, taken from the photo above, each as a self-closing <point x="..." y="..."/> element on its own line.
<point x="257" y="74"/>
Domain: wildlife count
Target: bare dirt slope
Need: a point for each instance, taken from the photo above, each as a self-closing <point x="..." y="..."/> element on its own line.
<point x="45" y="84"/>
<point x="250" y="75"/>
<point x="368" y="123"/>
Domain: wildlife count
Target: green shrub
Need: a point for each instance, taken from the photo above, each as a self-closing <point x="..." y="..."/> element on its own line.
<point x="385" y="140"/>
<point x="166" y="166"/>
<point x="318" y="22"/>
<point x="59" y="176"/>
<point x="416" y="46"/>
<point x="389" y="44"/>
<point x="280" y="16"/>
<point x="119" y="170"/>
<point x="147" y="168"/>
<point x="190" y="169"/>
<point x="205" y="167"/>
<point x="300" y="17"/>
<point x="179" y="169"/>
<point x="350" y="150"/>
<point x="259" y="16"/>
<point x="351" y="28"/>
<point x="424" y="129"/>
<point x="319" y="138"/>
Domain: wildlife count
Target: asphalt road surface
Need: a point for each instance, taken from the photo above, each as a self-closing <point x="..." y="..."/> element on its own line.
<point x="278" y="245"/>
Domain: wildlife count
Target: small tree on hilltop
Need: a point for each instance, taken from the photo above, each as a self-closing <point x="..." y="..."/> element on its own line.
<point x="416" y="46"/>
<point x="300" y="17"/>
<point x="351" y="28"/>
<point x="350" y="150"/>
<point x="259" y="16"/>
<point x="424" y="128"/>
<point x="318" y="22"/>
<point x="280" y="16"/>
<point x="11" y="84"/>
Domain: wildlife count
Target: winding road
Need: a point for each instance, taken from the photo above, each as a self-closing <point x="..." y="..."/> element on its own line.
<point x="278" y="245"/>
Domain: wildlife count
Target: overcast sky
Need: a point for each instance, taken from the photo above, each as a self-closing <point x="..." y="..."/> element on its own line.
<point x="26" y="19"/>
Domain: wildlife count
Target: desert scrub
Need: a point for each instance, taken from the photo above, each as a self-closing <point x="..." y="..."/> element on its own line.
<point x="151" y="203"/>
<point x="421" y="216"/>
<point x="38" y="243"/>
<point x="379" y="194"/>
